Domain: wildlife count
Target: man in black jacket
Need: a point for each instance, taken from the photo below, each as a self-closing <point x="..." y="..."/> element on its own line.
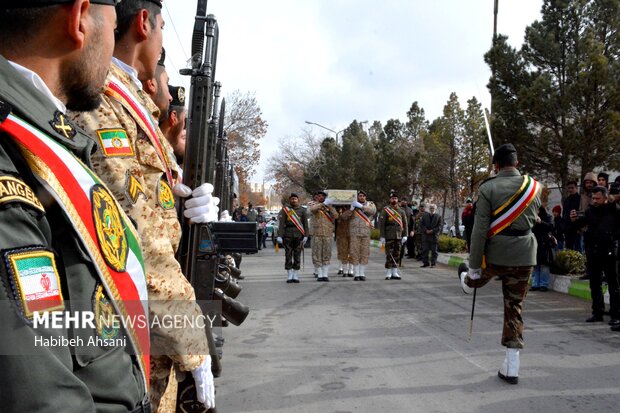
<point x="572" y="200"/>
<point x="602" y="219"/>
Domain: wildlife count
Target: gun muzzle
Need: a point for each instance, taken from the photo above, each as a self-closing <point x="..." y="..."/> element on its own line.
<point x="232" y="310"/>
<point x="224" y="282"/>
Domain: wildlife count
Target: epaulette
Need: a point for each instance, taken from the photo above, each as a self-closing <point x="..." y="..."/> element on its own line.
<point x="488" y="179"/>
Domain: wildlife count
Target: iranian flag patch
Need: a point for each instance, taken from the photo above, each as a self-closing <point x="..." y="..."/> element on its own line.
<point x="35" y="280"/>
<point x="114" y="142"/>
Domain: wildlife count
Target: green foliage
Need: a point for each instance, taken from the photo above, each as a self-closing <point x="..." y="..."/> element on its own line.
<point x="374" y="234"/>
<point x="451" y="244"/>
<point x="569" y="262"/>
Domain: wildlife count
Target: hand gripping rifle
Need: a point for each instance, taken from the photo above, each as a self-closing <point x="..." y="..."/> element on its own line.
<point x="202" y="245"/>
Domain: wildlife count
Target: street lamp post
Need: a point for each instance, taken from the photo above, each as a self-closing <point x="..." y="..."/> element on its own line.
<point x="331" y="130"/>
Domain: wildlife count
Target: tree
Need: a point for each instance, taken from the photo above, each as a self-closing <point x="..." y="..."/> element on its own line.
<point x="474" y="157"/>
<point x="557" y="98"/>
<point x="244" y="127"/>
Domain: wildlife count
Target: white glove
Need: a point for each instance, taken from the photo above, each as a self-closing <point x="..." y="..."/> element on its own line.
<point x="328" y="201"/>
<point x="474" y="274"/>
<point x="304" y="241"/>
<point x="181" y="190"/>
<point x="402" y="241"/>
<point x="356" y="204"/>
<point x="382" y="240"/>
<point x="279" y="239"/>
<point x="225" y="216"/>
<point x="202" y="207"/>
<point x="205" y="389"/>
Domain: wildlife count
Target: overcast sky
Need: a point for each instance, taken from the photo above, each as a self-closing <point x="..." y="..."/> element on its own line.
<point x="333" y="61"/>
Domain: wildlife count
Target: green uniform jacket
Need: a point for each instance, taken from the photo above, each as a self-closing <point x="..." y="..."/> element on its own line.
<point x="389" y="228"/>
<point x="502" y="249"/>
<point x="287" y="229"/>
<point x="50" y="378"/>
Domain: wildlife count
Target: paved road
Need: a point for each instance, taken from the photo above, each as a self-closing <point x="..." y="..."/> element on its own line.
<point x="401" y="346"/>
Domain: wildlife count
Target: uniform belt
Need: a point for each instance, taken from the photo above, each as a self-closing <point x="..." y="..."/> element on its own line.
<point x="509" y="232"/>
<point x="145" y="407"/>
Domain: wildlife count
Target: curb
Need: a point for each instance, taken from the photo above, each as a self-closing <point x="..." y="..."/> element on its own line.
<point x="560" y="283"/>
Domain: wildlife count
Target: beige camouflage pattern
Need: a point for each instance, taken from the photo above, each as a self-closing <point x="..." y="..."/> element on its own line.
<point x="322" y="230"/>
<point x="342" y="238"/>
<point x="359" y="234"/>
<point x="159" y="228"/>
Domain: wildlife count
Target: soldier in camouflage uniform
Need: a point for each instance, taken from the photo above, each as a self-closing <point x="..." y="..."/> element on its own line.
<point x="51" y="261"/>
<point x="324" y="216"/>
<point x="393" y="232"/>
<point x="360" y="223"/>
<point x="342" y="243"/>
<point x="134" y="159"/>
<point x="503" y="245"/>
<point x="292" y="233"/>
<point x="417" y="234"/>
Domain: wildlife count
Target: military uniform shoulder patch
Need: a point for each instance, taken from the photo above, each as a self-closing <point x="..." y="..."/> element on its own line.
<point x="108" y="325"/>
<point x="133" y="188"/>
<point x="34" y="279"/>
<point x="15" y="190"/>
<point x="61" y="124"/>
<point x="109" y="227"/>
<point x="114" y="142"/>
<point x="164" y="193"/>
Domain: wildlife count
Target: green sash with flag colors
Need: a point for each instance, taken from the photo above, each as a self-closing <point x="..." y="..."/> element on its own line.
<point x="395" y="216"/>
<point x="294" y="218"/>
<point x="104" y="229"/>
<point x="506" y="214"/>
<point x="117" y="90"/>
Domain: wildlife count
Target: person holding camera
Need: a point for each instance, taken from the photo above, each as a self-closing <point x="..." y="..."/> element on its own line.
<point x="602" y="219"/>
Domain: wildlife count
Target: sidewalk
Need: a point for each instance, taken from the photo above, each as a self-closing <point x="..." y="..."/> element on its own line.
<point x="560" y="283"/>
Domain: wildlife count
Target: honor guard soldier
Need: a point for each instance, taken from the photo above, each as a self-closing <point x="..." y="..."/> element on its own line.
<point x="66" y="244"/>
<point x="134" y="159"/>
<point x="393" y="232"/>
<point x="342" y="242"/>
<point x="502" y="244"/>
<point x="324" y="216"/>
<point x="360" y="223"/>
<point x="417" y="230"/>
<point x="292" y="230"/>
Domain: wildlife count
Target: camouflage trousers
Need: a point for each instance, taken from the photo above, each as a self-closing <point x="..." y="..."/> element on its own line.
<point x="342" y="245"/>
<point x="163" y="389"/>
<point x="359" y="250"/>
<point x="515" y="282"/>
<point x="392" y="252"/>
<point x="418" y="244"/>
<point x="321" y="250"/>
<point x="292" y="252"/>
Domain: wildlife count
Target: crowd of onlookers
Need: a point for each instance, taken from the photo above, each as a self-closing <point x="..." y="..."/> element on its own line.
<point x="587" y="221"/>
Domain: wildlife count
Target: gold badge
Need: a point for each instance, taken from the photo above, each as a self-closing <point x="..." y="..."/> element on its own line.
<point x="62" y="125"/>
<point x="109" y="227"/>
<point x="133" y="188"/>
<point x="166" y="199"/>
<point x="16" y="190"/>
<point x="108" y="326"/>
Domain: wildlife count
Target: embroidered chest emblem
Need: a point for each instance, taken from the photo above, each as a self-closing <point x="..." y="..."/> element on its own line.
<point x="109" y="228"/>
<point x="114" y="142"/>
<point x="166" y="198"/>
<point x="133" y="188"/>
<point x="108" y="325"/>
